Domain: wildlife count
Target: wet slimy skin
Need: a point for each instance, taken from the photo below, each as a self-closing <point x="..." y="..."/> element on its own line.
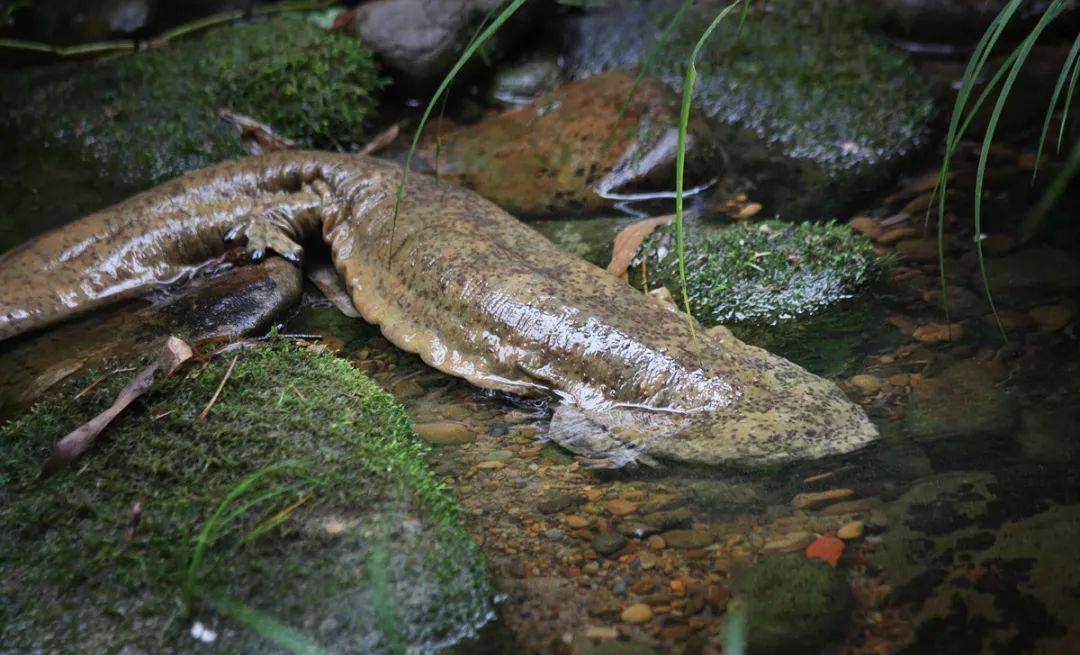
<point x="468" y="288"/>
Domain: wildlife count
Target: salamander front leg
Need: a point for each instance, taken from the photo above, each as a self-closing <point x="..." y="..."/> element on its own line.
<point x="266" y="234"/>
<point x="281" y="225"/>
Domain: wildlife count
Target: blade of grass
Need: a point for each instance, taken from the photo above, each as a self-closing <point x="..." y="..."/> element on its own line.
<point x="1066" y="70"/>
<point x="680" y="156"/>
<point x="971" y="75"/>
<point x="210" y="528"/>
<point x="1024" y="49"/>
<point x="443" y="86"/>
<point x="1068" y="100"/>
<point x="264" y="625"/>
<point x="1034" y="221"/>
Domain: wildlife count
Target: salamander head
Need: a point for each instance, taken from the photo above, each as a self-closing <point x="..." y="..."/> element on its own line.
<point x="781" y="413"/>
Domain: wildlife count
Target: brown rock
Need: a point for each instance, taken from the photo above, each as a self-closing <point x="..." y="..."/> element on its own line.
<point x="444" y="433"/>
<point x="852" y="530"/>
<point x="939" y="332"/>
<point x="918" y="250"/>
<point x="817" y="498"/>
<point x="637" y="613"/>
<point x="620" y="507"/>
<point x="577" y="522"/>
<point x="867" y="226"/>
<point x="551" y="156"/>
<point x="1051" y="318"/>
<point x="866" y="384"/>
<point x="889" y="237"/>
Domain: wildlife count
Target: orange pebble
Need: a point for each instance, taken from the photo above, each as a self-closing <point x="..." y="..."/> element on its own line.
<point x="826" y="548"/>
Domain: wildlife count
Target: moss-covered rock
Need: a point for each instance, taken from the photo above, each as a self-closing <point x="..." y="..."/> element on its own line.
<point x="134" y="121"/>
<point x="821" y="111"/>
<point x="299" y="510"/>
<point x="792" y="604"/>
<point x="785" y="287"/>
<point x="765" y="272"/>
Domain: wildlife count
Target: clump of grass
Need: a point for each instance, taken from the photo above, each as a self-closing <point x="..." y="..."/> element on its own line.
<point x="965" y="110"/>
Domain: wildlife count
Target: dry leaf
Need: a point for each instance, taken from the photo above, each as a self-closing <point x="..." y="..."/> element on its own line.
<point x="629" y="239"/>
<point x="329" y="282"/>
<point x="176" y="353"/>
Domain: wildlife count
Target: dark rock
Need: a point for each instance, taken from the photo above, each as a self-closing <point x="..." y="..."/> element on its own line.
<point x="238" y="302"/>
<point x="669" y="520"/>
<point x="688" y="538"/>
<point x="608" y="543"/>
<point x="1028" y="275"/>
<point x="967" y="399"/>
<point x="419" y="40"/>
<point x="558" y="501"/>
<point x="792" y="604"/>
<point x="520" y="83"/>
<point x="954" y="22"/>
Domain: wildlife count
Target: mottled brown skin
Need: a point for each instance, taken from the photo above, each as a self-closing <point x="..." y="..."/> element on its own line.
<point x="467" y="287"/>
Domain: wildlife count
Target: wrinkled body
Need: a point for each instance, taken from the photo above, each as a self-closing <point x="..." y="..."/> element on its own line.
<point x="474" y="292"/>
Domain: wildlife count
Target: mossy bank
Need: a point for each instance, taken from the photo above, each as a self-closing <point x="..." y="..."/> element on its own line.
<point x="300" y="511"/>
<point x="113" y="126"/>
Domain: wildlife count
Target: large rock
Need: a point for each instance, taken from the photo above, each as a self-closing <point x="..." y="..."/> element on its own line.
<point x="242" y="301"/>
<point x="300" y="511"/>
<point x="569" y="151"/>
<point x="791" y="604"/>
<point x="818" y="110"/>
<point x="419" y="40"/>
<point x="984" y="562"/>
<point x="107" y="128"/>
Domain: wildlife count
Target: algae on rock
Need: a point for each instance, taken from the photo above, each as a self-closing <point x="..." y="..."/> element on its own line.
<point x="331" y="523"/>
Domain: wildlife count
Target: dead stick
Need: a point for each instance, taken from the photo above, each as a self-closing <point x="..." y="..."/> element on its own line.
<point x="206" y="410"/>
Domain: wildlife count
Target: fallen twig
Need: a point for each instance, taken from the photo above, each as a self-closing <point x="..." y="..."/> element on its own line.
<point x="79" y="441"/>
<point x="382" y="139"/>
<point x="209" y="405"/>
<point x="259" y="137"/>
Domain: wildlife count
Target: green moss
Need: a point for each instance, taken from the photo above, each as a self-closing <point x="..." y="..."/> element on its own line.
<point x="793" y="604"/>
<point x="137" y="120"/>
<point x="338" y="530"/>
<point x="765" y="272"/>
<point x="316" y="87"/>
<point x="794" y="289"/>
